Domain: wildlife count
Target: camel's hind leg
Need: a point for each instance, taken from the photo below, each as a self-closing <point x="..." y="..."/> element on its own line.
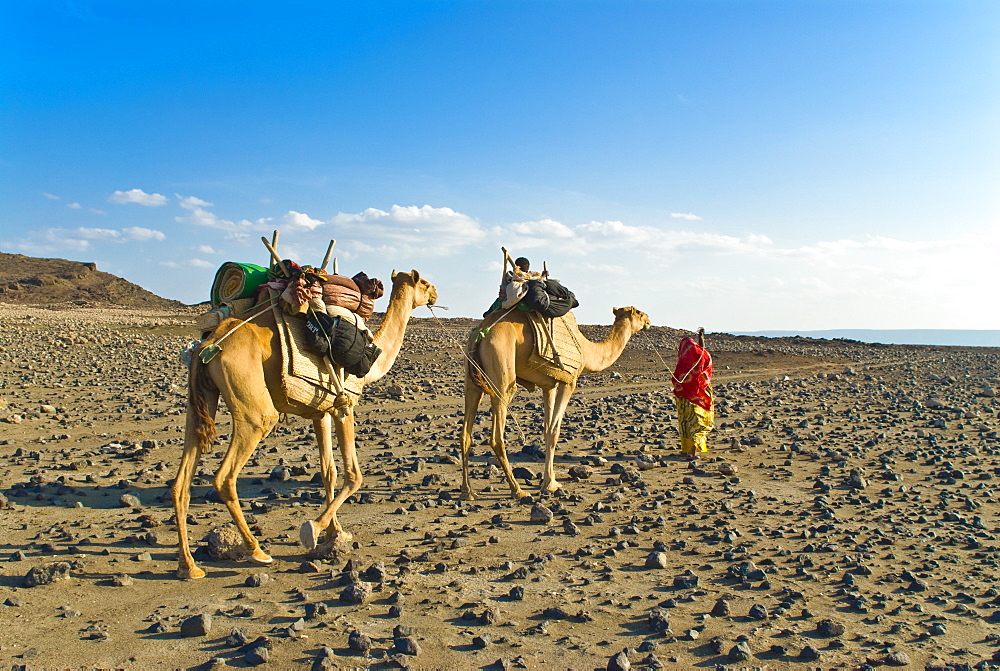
<point x="556" y="400"/>
<point x="498" y="412"/>
<point x="254" y="415"/>
<point x="343" y="420"/>
<point x="473" y="394"/>
<point x="197" y="438"/>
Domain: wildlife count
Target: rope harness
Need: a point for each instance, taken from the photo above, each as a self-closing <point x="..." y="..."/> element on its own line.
<point x="208" y="352"/>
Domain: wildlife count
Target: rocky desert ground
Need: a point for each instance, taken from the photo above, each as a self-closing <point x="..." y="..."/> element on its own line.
<point x="846" y="516"/>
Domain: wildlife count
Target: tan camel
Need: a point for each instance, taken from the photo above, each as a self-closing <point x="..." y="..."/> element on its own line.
<point x="247" y="374"/>
<point x="503" y="355"/>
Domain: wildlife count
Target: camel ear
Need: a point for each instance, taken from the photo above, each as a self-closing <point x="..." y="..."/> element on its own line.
<point x="416" y="276"/>
<point x="617" y="312"/>
<point x="393" y="273"/>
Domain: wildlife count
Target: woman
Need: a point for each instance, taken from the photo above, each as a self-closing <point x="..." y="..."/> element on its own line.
<point x="693" y="394"/>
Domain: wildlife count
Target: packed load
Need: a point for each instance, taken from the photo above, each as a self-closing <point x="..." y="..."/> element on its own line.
<point x="549" y="298"/>
<point x="336" y="307"/>
<point x="531" y="290"/>
<point x="340" y="338"/>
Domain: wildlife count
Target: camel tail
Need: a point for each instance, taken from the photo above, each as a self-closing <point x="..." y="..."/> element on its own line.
<point x="201" y="422"/>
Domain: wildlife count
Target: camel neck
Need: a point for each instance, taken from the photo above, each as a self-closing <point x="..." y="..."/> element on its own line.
<point x="389" y="336"/>
<point x="597" y="356"/>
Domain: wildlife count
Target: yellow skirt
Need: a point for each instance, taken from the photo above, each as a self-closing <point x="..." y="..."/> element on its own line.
<point x="694" y="424"/>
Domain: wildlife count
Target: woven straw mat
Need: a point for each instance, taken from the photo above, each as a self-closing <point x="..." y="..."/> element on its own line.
<point x="557" y="350"/>
<point x="305" y="376"/>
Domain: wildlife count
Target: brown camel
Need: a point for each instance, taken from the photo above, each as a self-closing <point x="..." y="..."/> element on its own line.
<point x="247" y="374"/>
<point x="503" y="356"/>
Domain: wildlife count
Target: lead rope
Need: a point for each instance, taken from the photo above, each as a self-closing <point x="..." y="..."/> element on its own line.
<point x="475" y="365"/>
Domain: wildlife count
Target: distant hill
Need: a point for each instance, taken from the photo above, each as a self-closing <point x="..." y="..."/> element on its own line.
<point x="28" y="280"/>
<point x="951" y="337"/>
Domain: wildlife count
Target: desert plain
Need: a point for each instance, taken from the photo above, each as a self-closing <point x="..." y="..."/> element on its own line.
<point x="846" y="515"/>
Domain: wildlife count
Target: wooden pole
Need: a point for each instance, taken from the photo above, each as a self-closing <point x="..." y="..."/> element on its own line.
<point x="274" y="255"/>
<point x="326" y="259"/>
<point x="506" y="260"/>
<point x="274" y="240"/>
<point x="701" y="337"/>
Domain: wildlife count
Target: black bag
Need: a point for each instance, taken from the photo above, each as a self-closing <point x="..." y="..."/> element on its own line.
<point x="549" y="298"/>
<point x="348" y="346"/>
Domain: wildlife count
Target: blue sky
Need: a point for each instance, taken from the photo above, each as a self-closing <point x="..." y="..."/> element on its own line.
<point x="738" y="165"/>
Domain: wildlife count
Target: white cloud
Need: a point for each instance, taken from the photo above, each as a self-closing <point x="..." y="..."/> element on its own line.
<point x="135" y="233"/>
<point x="293" y="218"/>
<point x="685" y="215"/>
<point x="431" y="231"/>
<point x="51" y="196"/>
<point x="94" y="210"/>
<point x="73" y="206"/>
<point x="191" y="202"/>
<point x="190" y="263"/>
<point x="143" y="234"/>
<point x="99" y="233"/>
<point x="139" y="197"/>
<point x="206" y="249"/>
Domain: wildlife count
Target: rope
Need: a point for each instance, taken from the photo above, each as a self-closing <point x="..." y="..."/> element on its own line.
<point x="490" y="382"/>
<point x="265" y="308"/>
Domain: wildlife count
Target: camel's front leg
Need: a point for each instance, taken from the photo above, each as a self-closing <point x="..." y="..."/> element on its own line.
<point x="556" y="400"/>
<point x="248" y="431"/>
<point x="498" y="412"/>
<point x="473" y="394"/>
<point x="343" y="420"/>
<point x="309" y="532"/>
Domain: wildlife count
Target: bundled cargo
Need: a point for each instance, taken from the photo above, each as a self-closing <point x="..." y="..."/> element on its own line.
<point x="358" y="294"/>
<point x="236" y="281"/>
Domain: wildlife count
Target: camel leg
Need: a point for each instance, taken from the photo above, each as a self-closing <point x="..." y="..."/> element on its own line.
<point x="309" y="532"/>
<point x="556" y="400"/>
<point x="181" y="489"/>
<point x="254" y="415"/>
<point x="343" y="420"/>
<point x="473" y="394"/>
<point x="498" y="414"/>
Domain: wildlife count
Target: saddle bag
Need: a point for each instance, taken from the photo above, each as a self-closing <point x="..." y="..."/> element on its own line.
<point x="347" y="346"/>
<point x="549" y="298"/>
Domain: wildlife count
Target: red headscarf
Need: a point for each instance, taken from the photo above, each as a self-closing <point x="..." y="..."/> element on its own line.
<point x="693" y="374"/>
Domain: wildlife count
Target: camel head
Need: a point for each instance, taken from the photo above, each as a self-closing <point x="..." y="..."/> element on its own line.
<point x="424" y="292"/>
<point x="636" y="319"/>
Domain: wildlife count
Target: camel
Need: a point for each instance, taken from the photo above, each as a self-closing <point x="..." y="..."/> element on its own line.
<point x="503" y="358"/>
<point x="247" y="374"/>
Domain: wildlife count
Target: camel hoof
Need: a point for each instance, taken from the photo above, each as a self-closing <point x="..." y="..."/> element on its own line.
<point x="309" y="534"/>
<point x="341" y="536"/>
<point x="260" y="557"/>
<point x="192" y="573"/>
<point x="467" y="496"/>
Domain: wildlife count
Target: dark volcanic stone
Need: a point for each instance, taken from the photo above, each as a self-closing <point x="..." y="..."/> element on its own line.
<point x="830" y="629"/>
<point x="46" y="574"/>
<point x="406" y="646"/>
<point x="197" y="625"/>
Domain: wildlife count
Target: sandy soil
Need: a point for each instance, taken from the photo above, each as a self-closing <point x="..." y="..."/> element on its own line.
<point x="847" y="514"/>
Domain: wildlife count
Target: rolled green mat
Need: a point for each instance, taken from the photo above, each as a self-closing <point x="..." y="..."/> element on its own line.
<point x="236" y="280"/>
